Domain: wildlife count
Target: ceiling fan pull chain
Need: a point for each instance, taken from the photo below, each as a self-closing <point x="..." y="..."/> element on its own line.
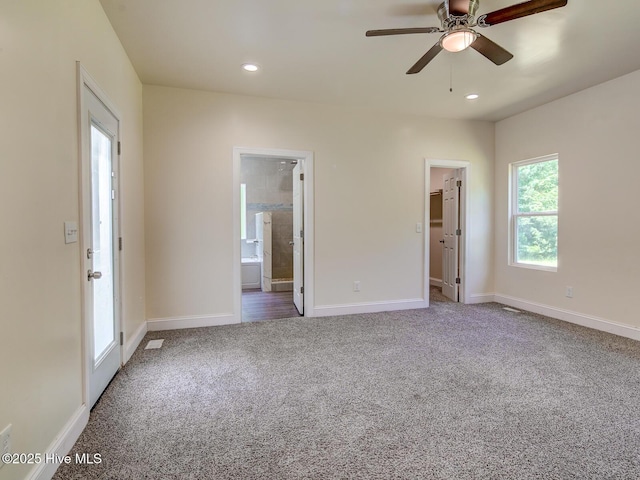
<point x="451" y="77"/>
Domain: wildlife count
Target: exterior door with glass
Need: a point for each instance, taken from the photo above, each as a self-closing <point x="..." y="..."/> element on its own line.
<point x="99" y="132"/>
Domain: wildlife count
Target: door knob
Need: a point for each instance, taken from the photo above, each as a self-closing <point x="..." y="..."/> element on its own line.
<point x="291" y="243"/>
<point x="94" y="275"/>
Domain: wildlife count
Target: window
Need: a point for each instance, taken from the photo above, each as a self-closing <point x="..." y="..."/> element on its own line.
<point x="243" y="211"/>
<point x="534" y="213"/>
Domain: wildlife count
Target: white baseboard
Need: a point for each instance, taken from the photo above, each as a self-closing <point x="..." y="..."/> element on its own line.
<point x="572" y="317"/>
<point x="435" y="282"/>
<point x="372" y="307"/>
<point x="61" y="445"/>
<point x="158" y="324"/>
<point x="134" y="341"/>
<point x="481" y="298"/>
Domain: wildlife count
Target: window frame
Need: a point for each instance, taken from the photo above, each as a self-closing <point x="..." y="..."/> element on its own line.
<point x="514" y="214"/>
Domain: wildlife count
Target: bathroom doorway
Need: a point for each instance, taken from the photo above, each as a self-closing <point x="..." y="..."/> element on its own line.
<point x="273" y="226"/>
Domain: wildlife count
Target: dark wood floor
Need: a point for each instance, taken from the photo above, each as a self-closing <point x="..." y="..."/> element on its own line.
<point x="258" y="305"/>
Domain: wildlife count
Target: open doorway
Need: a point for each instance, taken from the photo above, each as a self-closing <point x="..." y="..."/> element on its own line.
<point x="448" y="226"/>
<point x="273" y="220"/>
<point x="267" y="243"/>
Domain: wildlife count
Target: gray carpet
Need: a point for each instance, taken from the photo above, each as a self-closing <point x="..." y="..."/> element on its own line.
<point x="452" y="392"/>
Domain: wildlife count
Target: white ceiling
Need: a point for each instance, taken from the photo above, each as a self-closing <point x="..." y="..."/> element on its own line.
<point x="316" y="50"/>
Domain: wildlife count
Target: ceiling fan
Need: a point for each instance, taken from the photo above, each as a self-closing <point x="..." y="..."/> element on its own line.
<point x="457" y="18"/>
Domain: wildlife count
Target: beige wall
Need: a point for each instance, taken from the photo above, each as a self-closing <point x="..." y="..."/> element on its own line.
<point x="594" y="132"/>
<point x="369" y="195"/>
<point x="40" y="281"/>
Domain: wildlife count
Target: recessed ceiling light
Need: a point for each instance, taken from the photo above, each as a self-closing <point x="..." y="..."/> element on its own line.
<point x="472" y="96"/>
<point x="250" y="67"/>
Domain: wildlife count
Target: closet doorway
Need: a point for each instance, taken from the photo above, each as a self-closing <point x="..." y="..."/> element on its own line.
<point x="448" y="226"/>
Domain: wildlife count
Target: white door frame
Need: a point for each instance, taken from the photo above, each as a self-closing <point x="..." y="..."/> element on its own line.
<point x="464" y="222"/>
<point x="84" y="80"/>
<point x="298" y="237"/>
<point x="306" y="157"/>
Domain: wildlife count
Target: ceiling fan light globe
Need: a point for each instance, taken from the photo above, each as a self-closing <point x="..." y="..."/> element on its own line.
<point x="458" y="40"/>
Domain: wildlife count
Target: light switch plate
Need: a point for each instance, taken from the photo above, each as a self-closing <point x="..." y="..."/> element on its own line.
<point x="418" y="228"/>
<point x="70" y="232"/>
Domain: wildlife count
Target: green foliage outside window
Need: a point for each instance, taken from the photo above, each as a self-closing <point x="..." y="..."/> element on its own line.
<point x="536" y="216"/>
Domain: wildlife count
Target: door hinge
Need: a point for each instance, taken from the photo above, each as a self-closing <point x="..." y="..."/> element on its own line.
<point x="120" y="243"/>
<point x="119" y="148"/>
<point x="301" y="289"/>
<point x="459" y="183"/>
<point x="121" y="338"/>
<point x="302" y="234"/>
<point x="458" y="232"/>
<point x="301" y="176"/>
<point x="113" y="194"/>
<point x="458" y="280"/>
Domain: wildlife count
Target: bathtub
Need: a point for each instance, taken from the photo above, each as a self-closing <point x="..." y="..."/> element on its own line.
<point x="251" y="273"/>
<point x="282" y="285"/>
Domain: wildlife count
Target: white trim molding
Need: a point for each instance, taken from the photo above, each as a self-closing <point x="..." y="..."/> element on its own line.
<point x="134" y="341"/>
<point x="370" y="307"/>
<point x="175" y="323"/>
<point x="482" y="298"/>
<point x="582" y="319"/>
<point x="435" y="282"/>
<point x="61" y="445"/>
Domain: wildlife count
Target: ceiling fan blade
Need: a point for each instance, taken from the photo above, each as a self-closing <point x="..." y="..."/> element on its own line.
<point x="518" y="11"/>
<point x="426" y="58"/>
<point x="401" y="31"/>
<point x="491" y="50"/>
<point x="458" y="7"/>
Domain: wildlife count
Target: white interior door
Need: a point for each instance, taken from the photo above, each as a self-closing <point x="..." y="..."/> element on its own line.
<point x="451" y="238"/>
<point x="100" y="234"/>
<point x="298" y="238"/>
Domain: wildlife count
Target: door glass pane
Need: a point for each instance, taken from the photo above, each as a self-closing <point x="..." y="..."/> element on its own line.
<point x="102" y="233"/>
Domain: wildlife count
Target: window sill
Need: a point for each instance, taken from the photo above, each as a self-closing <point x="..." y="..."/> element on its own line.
<point x="532" y="266"/>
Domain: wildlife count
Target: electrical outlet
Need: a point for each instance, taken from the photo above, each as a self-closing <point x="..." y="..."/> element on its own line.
<point x="356" y="286"/>
<point x="5" y="442"/>
<point x="569" y="293"/>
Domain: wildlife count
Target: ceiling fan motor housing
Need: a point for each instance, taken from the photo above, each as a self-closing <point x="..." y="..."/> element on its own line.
<point x="453" y="20"/>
